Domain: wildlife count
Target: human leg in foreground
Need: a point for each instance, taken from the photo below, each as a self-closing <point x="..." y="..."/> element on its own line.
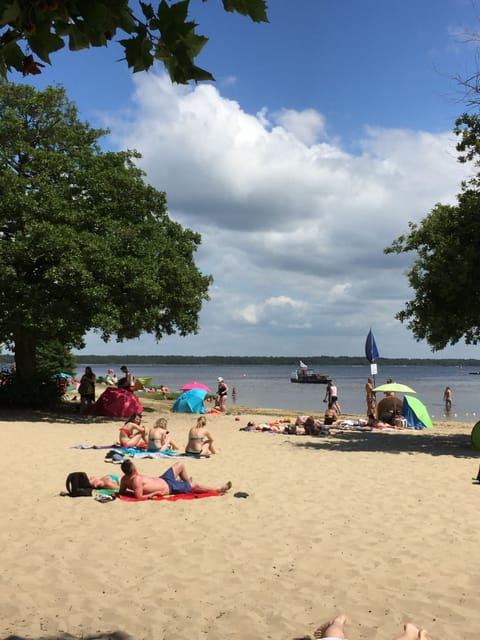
<point x="180" y="473"/>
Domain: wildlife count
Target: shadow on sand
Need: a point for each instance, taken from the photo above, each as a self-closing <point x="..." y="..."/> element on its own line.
<point x="457" y="444"/>
<point x="66" y="415"/>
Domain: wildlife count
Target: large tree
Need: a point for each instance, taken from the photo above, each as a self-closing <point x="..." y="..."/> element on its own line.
<point x="85" y="243"/>
<point x="149" y="32"/>
<point x="446" y="272"/>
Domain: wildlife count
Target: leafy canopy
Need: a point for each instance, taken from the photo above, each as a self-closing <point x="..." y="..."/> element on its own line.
<point x="446" y="273"/>
<point x="84" y="242"/>
<point x="30" y="28"/>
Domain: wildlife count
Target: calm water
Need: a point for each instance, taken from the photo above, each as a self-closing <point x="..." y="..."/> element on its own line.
<point x="270" y="386"/>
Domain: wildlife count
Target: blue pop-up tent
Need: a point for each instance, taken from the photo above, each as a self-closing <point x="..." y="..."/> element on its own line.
<point x="190" y="401"/>
<point x="416" y="413"/>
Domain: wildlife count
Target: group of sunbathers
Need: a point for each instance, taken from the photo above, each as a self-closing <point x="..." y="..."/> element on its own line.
<point x="135" y="435"/>
<point x="310" y="426"/>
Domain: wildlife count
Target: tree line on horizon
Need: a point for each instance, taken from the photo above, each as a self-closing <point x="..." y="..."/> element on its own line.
<point x="313" y="361"/>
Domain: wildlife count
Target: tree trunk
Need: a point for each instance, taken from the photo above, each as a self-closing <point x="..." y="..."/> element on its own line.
<point x="25" y="356"/>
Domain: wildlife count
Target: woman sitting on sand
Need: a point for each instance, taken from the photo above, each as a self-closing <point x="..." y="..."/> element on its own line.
<point x="200" y="441"/>
<point x="159" y="438"/>
<point x="134" y="434"/>
<point x="330" y="417"/>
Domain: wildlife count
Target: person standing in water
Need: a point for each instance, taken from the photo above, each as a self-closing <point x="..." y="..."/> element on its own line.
<point x="447" y="398"/>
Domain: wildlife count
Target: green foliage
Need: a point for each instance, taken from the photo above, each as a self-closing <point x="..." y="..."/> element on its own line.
<point x="54" y="357"/>
<point x="164" y="33"/>
<point x="446" y="273"/>
<point x="84" y="242"/>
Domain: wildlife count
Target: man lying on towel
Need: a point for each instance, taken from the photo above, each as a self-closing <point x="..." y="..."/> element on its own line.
<point x="174" y="480"/>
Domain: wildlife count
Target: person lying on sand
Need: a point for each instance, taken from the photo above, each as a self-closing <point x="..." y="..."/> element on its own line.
<point x="377" y="423"/>
<point x="105" y="482"/>
<point x="174" y="480"/>
<point x="335" y="630"/>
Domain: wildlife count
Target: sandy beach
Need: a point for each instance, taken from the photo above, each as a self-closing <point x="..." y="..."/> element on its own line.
<point x="381" y="526"/>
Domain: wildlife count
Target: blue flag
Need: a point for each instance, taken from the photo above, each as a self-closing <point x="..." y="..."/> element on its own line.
<point x="371" y="350"/>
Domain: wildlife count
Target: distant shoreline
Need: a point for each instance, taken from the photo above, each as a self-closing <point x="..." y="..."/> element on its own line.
<point x="313" y="361"/>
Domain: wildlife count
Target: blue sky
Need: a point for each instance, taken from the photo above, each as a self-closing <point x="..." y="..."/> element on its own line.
<point x="326" y="132"/>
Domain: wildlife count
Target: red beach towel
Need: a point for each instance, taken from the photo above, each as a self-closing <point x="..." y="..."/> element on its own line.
<point x="173" y="498"/>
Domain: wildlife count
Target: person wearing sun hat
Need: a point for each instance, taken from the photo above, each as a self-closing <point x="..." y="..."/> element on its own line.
<point x="222" y="393"/>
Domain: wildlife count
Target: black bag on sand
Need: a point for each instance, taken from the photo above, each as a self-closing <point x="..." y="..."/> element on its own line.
<point x="78" y="485"/>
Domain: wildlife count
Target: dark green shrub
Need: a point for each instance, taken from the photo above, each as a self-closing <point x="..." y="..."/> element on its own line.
<point x="36" y="392"/>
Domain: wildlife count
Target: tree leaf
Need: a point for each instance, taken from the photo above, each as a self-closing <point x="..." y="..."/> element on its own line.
<point x="255" y="9"/>
<point x="77" y="39"/>
<point x="9" y="12"/>
<point x="138" y="53"/>
<point x="44" y="43"/>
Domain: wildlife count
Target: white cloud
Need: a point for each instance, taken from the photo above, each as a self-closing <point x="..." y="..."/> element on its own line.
<point x="307" y="126"/>
<point x="293" y="226"/>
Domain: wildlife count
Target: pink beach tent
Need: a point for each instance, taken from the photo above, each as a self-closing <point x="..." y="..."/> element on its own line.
<point x="117" y="403"/>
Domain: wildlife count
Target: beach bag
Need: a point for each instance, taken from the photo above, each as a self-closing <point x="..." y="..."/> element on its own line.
<point x="78" y="485"/>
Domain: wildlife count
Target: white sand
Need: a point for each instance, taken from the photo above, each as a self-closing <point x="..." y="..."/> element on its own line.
<point x="382" y="526"/>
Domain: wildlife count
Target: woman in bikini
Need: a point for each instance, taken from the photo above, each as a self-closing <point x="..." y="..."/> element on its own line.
<point x="200" y="441"/>
<point x="134" y="434"/>
<point x="159" y="438"/>
<point x="105" y="482"/>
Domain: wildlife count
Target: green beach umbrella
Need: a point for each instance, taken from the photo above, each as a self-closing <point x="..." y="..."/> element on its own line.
<point x="420" y="411"/>
<point x="395" y="387"/>
<point x="475" y="436"/>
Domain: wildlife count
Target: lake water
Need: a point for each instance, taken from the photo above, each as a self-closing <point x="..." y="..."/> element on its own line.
<point x="270" y="386"/>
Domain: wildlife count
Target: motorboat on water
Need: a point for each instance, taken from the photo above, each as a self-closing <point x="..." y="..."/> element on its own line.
<point x="306" y="375"/>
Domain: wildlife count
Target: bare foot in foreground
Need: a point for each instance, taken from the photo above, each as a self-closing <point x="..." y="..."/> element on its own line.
<point x="332" y="628"/>
<point x="412" y="632"/>
<point x="225" y="488"/>
<point x="424" y="635"/>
